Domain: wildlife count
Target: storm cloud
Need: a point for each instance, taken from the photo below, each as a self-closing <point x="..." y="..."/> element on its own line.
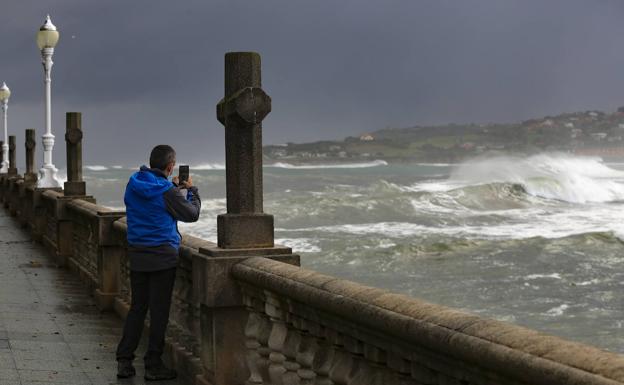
<point x="149" y="72"/>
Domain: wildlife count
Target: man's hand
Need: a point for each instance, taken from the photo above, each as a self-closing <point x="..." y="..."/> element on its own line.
<point x="175" y="180"/>
<point x="188" y="183"/>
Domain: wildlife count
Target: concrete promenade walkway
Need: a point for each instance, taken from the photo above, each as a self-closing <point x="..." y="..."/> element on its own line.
<point x="50" y="330"/>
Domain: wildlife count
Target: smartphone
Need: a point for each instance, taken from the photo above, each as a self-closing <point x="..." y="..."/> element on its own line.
<point x="183" y="173"/>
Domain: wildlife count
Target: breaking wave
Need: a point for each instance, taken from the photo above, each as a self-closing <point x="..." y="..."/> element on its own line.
<point x="209" y="166"/>
<point x="96" y="168"/>
<point x="375" y="163"/>
<point x="552" y="176"/>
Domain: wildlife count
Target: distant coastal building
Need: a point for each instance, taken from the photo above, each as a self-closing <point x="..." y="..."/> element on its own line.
<point x="548" y="123"/>
<point x="575" y="133"/>
<point x="366" y="137"/>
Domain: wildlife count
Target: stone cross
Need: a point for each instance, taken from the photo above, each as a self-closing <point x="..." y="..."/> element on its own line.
<point x="73" y="138"/>
<point x="30" y="175"/>
<point x="12" y="163"/>
<point x="241" y="111"/>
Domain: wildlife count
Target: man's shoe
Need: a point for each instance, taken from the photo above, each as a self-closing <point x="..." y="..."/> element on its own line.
<point x="125" y="369"/>
<point x="159" y="372"/>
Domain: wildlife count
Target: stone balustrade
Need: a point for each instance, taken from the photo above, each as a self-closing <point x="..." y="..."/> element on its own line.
<point x="308" y="328"/>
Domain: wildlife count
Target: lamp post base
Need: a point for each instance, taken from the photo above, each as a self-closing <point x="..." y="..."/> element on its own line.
<point x="5" y="156"/>
<point x="47" y="177"/>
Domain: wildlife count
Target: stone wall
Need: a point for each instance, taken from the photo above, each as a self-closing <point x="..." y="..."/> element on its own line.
<point x="84" y="250"/>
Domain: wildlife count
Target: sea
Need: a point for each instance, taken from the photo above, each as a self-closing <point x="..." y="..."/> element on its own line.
<point x="532" y="240"/>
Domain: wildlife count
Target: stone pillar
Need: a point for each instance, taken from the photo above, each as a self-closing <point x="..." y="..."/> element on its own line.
<point x="30" y="179"/>
<point x="74" y="186"/>
<point x="12" y="162"/>
<point x="30" y="175"/>
<point x="241" y="111"/>
<point x="11" y="177"/>
<point x="110" y="252"/>
<point x="1" y="153"/>
<point x="244" y="231"/>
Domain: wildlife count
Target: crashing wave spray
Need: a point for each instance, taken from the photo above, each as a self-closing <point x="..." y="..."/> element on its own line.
<point x="553" y="176"/>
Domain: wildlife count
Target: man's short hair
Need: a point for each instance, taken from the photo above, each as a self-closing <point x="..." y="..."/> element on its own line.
<point x="161" y="156"/>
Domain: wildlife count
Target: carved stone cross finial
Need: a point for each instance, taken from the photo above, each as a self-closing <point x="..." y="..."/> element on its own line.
<point x="241" y="111"/>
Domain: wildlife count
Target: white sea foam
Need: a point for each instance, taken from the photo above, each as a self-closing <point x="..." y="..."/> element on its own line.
<point x="301" y="245"/>
<point x="553" y="225"/>
<point x="437" y="186"/>
<point x="436" y="164"/>
<point x="557" y="311"/>
<point x="375" y="163"/>
<point x="209" y="166"/>
<point x="537" y="276"/>
<point x="117" y="167"/>
<point x="553" y="176"/>
<point x="96" y="168"/>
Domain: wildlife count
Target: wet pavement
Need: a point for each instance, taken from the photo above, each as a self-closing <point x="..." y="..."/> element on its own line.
<point x="50" y="330"/>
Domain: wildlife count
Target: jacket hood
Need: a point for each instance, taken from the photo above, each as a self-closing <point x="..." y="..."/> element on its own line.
<point x="147" y="183"/>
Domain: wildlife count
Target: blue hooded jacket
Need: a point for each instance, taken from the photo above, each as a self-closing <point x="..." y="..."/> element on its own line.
<point x="149" y="222"/>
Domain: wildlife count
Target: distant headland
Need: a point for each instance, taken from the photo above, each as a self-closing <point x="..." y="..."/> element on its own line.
<point x="594" y="133"/>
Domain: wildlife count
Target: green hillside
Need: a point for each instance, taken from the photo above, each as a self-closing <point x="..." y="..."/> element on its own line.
<point x="585" y="132"/>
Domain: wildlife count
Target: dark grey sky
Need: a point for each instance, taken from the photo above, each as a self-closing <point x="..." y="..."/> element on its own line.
<point x="145" y="72"/>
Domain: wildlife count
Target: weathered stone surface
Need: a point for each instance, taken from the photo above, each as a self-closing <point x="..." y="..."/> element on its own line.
<point x="30" y="176"/>
<point x="249" y="105"/>
<point x="241" y="111"/>
<point x="13" y="200"/>
<point x="215" y="287"/>
<point x="74" y="186"/>
<point x="12" y="161"/>
<point x="215" y="251"/>
<point x="242" y="231"/>
<point x="223" y="341"/>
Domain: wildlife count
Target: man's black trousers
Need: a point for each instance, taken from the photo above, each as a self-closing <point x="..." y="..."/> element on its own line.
<point x="150" y="289"/>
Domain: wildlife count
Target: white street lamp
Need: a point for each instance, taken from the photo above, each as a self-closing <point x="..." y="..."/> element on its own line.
<point x="5" y="93"/>
<point x="47" y="37"/>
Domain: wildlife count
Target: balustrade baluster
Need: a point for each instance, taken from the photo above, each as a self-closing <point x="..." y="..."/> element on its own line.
<point x="252" y="343"/>
<point x="291" y="346"/>
<point x="277" y="338"/>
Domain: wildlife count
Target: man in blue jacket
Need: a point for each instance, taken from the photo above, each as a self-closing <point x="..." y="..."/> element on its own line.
<point x="154" y="204"/>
